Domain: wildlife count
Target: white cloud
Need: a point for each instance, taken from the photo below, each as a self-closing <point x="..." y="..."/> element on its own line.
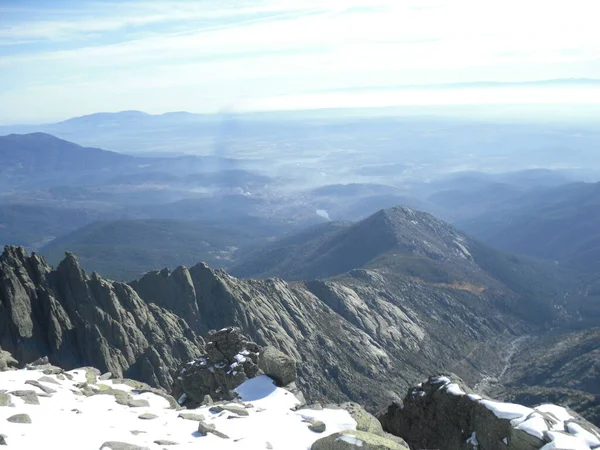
<point x="126" y="52"/>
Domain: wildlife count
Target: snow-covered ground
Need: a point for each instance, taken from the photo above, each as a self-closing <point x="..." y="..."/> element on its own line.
<point x="67" y="420"/>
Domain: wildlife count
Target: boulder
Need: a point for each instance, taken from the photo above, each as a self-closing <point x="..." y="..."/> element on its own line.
<point x="19" y="418"/>
<point x="113" y="445"/>
<point x="40" y="386"/>
<point x="7" y="362"/>
<point x="277" y="365"/>
<point x="354" y="440"/>
<point x="29" y="397"/>
<point x="191" y="416"/>
<point x="230" y="358"/>
<point x="364" y="420"/>
<point x="5" y="399"/>
<point x="205" y="428"/>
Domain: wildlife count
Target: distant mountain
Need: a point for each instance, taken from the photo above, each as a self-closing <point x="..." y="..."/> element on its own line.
<point x="560" y="224"/>
<point x="33" y="225"/>
<point x="126" y="249"/>
<point x="464" y="195"/>
<point x="34" y="160"/>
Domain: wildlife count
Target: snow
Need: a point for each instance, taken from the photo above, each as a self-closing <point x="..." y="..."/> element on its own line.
<point x="557" y="411"/>
<point x="240" y="358"/>
<point x="352" y="440"/>
<point x="535" y="425"/>
<point x="475" y="397"/>
<point x="563" y="441"/>
<point x="577" y="430"/>
<point x="505" y="440"/>
<point x="473" y="440"/>
<point x="506" y="410"/>
<point x="441" y="380"/>
<point x="454" y="389"/>
<point x="69" y="421"/>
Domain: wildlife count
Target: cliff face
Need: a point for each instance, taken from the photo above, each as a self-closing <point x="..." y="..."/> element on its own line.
<point x="76" y="320"/>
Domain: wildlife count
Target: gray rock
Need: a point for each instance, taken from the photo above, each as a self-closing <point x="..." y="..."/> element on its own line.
<point x="5" y="399"/>
<point x="19" y="418"/>
<point x="355" y="440"/>
<point x="205" y="428"/>
<point x="364" y="420"/>
<point x="315" y="425"/>
<point x="114" y="445"/>
<point x="137" y="432"/>
<point x="7" y="362"/>
<point x="3" y="439"/>
<point x="29" y="397"/>
<point x="105" y="376"/>
<point x="235" y="409"/>
<point x="147" y="416"/>
<point x="137" y="403"/>
<point x="47" y="379"/>
<point x="191" y="416"/>
<point x="43" y="361"/>
<point x="207" y="400"/>
<point x="277" y="365"/>
<point x="165" y="442"/>
<point x="44" y="389"/>
<point x="53" y="370"/>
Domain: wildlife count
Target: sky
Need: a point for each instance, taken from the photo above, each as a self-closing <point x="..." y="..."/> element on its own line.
<point x="64" y="58"/>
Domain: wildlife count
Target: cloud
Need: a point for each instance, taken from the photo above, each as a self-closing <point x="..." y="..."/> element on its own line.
<point x="106" y="54"/>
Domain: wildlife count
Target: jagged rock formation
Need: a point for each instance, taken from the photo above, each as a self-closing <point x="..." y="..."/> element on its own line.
<point x="355" y="334"/>
<point x="76" y="319"/>
<point x="443" y="413"/>
<point x="228" y="360"/>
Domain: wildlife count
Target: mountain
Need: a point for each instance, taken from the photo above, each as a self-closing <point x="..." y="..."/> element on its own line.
<point x="416" y="245"/>
<point x="34" y="160"/>
<point x="33" y="226"/>
<point x="559" y="224"/>
<point x="76" y="320"/>
<point x="126" y="249"/>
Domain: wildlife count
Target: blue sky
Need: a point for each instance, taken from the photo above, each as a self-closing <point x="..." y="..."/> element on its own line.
<point x="65" y="58"/>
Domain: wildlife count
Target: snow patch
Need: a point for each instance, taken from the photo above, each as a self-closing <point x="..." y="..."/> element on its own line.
<point x="352" y="440"/>
<point x="506" y="410"/>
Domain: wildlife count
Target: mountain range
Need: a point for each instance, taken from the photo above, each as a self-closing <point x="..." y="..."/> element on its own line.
<point x="420" y="298"/>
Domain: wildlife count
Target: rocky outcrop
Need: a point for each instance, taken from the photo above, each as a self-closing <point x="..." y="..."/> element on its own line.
<point x="228" y="360"/>
<point x="443" y="413"/>
<point x="77" y="319"/>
